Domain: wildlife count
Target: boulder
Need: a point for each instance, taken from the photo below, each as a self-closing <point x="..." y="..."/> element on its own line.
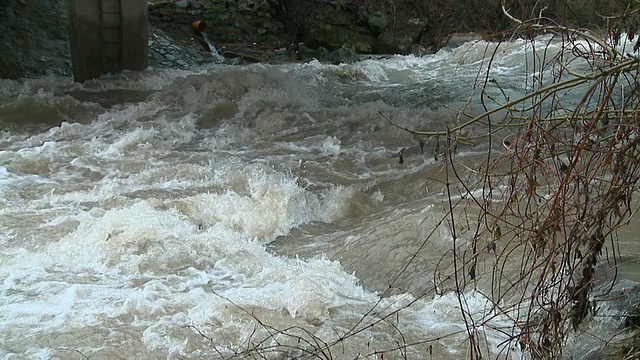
<point x="387" y="44"/>
<point x="333" y="37"/>
<point x="458" y="39"/>
<point x="307" y="53"/>
<point x="343" y="55"/>
<point x="377" y="22"/>
<point x="321" y="34"/>
<point x="183" y="4"/>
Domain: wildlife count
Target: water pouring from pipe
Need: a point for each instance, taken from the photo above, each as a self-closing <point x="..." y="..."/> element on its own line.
<point x="202" y="27"/>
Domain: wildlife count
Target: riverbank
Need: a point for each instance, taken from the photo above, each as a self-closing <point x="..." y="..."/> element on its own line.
<point x="37" y="44"/>
<point x="36" y="41"/>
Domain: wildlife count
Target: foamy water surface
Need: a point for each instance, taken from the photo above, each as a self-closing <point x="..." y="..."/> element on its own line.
<point x="199" y="214"/>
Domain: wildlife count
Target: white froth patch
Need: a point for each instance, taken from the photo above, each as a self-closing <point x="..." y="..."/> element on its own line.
<point x="325" y="145"/>
<point x="116" y="184"/>
<point x="154" y="235"/>
<point x="261" y="204"/>
<point x="331" y="145"/>
<point x="318" y="285"/>
<point x="160" y="134"/>
<point x="129" y="142"/>
<point x="227" y="137"/>
<point x="442" y="315"/>
<point x="137" y="238"/>
<point x="263" y="215"/>
<point x="154" y="269"/>
<point x="8" y="178"/>
<point x="49" y="146"/>
<point x="42" y="301"/>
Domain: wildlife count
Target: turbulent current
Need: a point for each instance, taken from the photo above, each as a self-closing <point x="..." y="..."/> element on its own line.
<point x="204" y="213"/>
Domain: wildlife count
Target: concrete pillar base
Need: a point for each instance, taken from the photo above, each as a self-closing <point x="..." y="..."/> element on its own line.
<point x="107" y="36"/>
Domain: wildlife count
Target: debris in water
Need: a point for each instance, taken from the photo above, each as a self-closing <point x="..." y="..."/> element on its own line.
<point x="400" y="157"/>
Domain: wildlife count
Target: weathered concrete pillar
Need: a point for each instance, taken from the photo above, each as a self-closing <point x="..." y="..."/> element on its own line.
<point x="107" y="36"/>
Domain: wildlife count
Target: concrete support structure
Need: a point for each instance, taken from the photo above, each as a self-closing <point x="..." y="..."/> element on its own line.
<point x="107" y="36"/>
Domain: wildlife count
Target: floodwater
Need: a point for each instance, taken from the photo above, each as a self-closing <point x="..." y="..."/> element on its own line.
<point x="258" y="210"/>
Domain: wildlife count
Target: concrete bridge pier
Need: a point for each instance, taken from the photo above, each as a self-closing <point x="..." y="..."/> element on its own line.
<point x="107" y="36"/>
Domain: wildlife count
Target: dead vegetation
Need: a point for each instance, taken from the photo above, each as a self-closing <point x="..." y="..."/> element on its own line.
<point x="549" y="198"/>
<point x="554" y="197"/>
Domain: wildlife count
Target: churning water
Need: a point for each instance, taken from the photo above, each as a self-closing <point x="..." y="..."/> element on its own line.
<point x="193" y="214"/>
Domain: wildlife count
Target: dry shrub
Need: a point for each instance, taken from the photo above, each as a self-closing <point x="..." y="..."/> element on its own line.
<point x="547" y="200"/>
<point x="550" y="202"/>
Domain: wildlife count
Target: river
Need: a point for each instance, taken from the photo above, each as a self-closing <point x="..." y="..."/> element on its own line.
<point x="205" y="213"/>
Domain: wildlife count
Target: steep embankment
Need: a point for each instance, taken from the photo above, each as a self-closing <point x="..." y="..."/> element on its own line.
<point x="35" y="38"/>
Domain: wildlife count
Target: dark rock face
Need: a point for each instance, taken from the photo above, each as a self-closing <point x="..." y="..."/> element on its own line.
<point x="252" y="20"/>
<point x="306" y="53"/>
<point x="333" y="37"/>
<point x="246" y="29"/>
<point x="265" y="30"/>
<point x="343" y="55"/>
<point x="387" y="44"/>
<point x="166" y="52"/>
<point x="376" y="23"/>
<point x="35" y="38"/>
<point x="357" y="27"/>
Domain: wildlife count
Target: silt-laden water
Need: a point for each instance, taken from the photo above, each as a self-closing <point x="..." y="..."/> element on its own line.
<point x="194" y="214"/>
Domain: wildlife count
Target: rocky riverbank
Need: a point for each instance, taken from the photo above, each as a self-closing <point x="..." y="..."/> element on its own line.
<point x="35" y="41"/>
<point x="262" y="30"/>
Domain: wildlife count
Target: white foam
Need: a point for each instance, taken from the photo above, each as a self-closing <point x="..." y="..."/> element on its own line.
<point x="166" y="295"/>
<point x="138" y="223"/>
<point x="442" y="315"/>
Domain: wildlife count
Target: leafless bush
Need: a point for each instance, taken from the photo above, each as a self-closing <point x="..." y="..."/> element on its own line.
<point x="556" y="183"/>
<point x="550" y="202"/>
